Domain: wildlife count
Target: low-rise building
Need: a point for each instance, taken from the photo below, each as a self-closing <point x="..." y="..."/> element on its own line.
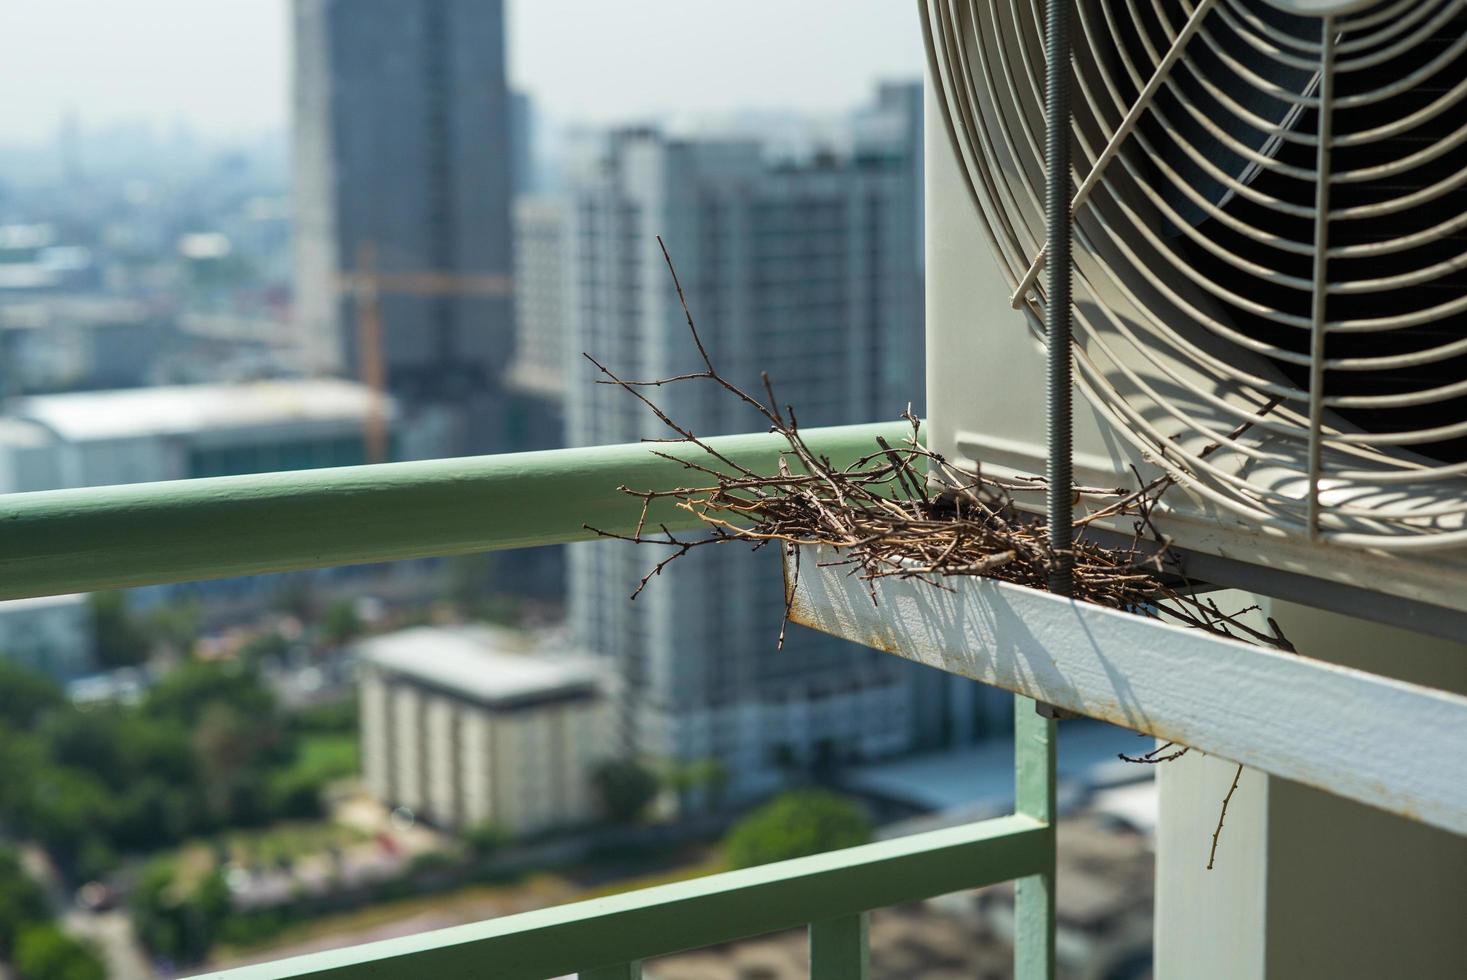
<point x="97" y="438"/>
<point x="51" y="634"/>
<point x="470" y="725"/>
<point x="85" y="342"/>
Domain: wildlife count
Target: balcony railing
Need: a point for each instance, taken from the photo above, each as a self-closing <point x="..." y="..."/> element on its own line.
<point x="115" y="537"/>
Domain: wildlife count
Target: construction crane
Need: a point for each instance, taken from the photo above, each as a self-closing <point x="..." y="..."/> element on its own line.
<point x="366" y="285"/>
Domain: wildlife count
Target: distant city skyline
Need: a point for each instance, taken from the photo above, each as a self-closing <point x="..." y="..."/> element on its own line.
<point x="222" y="68"/>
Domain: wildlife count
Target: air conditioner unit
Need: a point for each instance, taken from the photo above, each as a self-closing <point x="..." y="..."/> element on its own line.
<point x="1270" y="279"/>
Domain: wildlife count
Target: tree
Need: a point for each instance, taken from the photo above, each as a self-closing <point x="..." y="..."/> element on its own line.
<point x="708" y="776"/>
<point x="625" y="788"/>
<point x="795" y="825"/>
<point x="153" y="812"/>
<point x="87" y="739"/>
<point x="483" y="839"/>
<point x="26" y="695"/>
<point x="121" y="642"/>
<point x="175" y="626"/>
<point x="227" y="748"/>
<point x="71" y="808"/>
<point x="44" y="952"/>
<point x="187" y="691"/>
<point x="295" y="794"/>
<point x="22" y="903"/>
<point x="22" y="760"/>
<point x="94" y="861"/>
<point x="267" y="646"/>
<point x="152" y="747"/>
<point x="341" y="623"/>
<point x="179" y="926"/>
<point x="119" y="744"/>
<point x="330" y="718"/>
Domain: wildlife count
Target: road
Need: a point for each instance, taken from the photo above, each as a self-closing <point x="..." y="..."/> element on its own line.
<point x="110" y="932"/>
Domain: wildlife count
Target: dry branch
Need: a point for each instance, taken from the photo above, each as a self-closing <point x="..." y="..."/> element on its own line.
<point x="1223" y="815"/>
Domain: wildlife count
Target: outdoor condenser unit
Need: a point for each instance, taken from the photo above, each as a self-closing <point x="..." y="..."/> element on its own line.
<point x="1270" y="279"/>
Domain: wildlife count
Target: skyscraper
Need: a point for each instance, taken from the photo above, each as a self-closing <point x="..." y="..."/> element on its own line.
<point x="811" y="270"/>
<point x="536" y="380"/>
<point x="403" y="158"/>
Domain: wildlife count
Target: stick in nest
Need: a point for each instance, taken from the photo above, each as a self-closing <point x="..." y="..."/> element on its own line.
<point x="879" y="514"/>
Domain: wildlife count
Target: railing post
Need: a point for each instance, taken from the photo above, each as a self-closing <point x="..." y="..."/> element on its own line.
<point x="621" y="971"/>
<point x="839" y="948"/>
<point x="1034" y="792"/>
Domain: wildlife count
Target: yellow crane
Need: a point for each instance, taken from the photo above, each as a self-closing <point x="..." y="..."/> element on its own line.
<point x="366" y="285"/>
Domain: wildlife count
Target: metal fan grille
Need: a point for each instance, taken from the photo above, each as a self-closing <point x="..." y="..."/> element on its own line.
<point x="1271" y="228"/>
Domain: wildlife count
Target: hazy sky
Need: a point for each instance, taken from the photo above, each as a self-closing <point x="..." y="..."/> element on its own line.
<point x="222" y="66"/>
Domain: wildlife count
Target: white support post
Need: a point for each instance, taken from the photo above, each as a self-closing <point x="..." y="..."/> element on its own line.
<point x="1306" y="884"/>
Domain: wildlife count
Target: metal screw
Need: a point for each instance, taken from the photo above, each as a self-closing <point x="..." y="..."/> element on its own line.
<point x="1057" y="314"/>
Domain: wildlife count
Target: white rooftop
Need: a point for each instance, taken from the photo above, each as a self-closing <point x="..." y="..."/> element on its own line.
<point x="43" y="602"/>
<point x="81" y="311"/>
<point x="983" y="775"/>
<point x="492" y="666"/>
<point x="169" y="409"/>
<point x="23" y="433"/>
<point x="1136" y="804"/>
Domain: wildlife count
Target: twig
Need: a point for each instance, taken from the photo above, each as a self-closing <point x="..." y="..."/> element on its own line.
<point x="1153" y="758"/>
<point x="1223" y="814"/>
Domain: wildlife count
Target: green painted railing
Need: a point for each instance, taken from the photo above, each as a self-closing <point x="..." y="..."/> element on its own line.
<point x="94" y="538"/>
<point x="606" y="937"/>
<point x="111" y="537"/>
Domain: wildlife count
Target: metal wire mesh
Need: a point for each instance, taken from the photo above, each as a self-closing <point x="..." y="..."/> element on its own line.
<point x="1270" y="205"/>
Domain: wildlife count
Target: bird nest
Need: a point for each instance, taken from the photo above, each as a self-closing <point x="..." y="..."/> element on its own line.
<point x="886" y="515"/>
<point x="904" y="512"/>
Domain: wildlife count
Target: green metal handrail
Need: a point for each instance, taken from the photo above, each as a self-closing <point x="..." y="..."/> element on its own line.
<point x="81" y="540"/>
<point x="616" y="932"/>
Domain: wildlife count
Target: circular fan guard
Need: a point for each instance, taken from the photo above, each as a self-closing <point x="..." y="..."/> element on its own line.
<point x="1271" y="240"/>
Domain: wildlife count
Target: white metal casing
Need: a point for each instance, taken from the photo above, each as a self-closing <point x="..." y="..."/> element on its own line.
<point x="986" y="407"/>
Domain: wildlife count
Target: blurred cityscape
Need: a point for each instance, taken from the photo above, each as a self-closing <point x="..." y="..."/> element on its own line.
<point x="212" y="773"/>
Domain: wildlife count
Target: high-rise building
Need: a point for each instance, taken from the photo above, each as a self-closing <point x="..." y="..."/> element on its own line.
<point x="536" y="379"/>
<point x="403" y="159"/>
<point x="541" y="288"/>
<point x="811" y="270"/>
<point x="524" y="179"/>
